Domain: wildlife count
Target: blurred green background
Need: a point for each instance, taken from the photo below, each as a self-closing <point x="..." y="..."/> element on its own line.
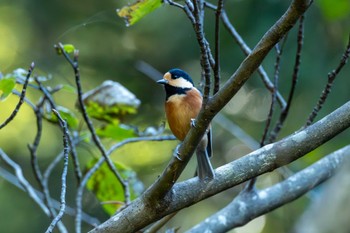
<point x="165" y="39"/>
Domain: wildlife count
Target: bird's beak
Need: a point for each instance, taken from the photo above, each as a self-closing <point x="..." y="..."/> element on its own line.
<point x="163" y="81"/>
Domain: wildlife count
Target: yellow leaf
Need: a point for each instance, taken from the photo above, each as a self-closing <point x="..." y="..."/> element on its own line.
<point x="139" y="9"/>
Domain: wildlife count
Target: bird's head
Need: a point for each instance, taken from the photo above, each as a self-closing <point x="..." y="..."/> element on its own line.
<point x="176" y="78"/>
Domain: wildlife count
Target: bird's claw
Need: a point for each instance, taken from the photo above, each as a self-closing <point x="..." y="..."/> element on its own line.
<point x="177" y="153"/>
<point x="193" y="122"/>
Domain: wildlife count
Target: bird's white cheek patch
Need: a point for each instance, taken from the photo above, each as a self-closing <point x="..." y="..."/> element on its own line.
<point x="180" y="82"/>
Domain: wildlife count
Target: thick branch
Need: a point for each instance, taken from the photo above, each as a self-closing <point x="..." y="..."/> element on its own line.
<point x="142" y="211"/>
<point x="249" y="205"/>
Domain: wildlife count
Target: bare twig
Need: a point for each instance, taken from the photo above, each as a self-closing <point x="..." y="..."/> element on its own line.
<point x="327" y="89"/>
<point x="218" y="12"/>
<point x="72" y="144"/>
<point x="64" y="127"/>
<point x="21" y="99"/>
<point x="22" y="180"/>
<point x="295" y="75"/>
<point x="9" y="177"/>
<point x="33" y="147"/>
<point x="198" y="13"/>
<point x="285" y="111"/>
<point x="51" y="101"/>
<point x="279" y="50"/>
<point x="246" y="50"/>
<point x="43" y="183"/>
<point x="156" y="227"/>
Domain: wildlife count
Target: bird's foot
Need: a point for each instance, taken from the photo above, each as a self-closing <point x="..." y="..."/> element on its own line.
<point x="193" y="122"/>
<point x="177" y="153"/>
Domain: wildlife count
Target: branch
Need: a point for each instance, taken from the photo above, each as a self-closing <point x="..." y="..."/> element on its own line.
<point x="23" y="181"/>
<point x="58" y="217"/>
<point x="217" y="78"/>
<point x="249" y="205"/>
<point x="74" y="154"/>
<point x="333" y="200"/>
<point x="21" y="99"/>
<point x="331" y="77"/>
<point x="279" y="50"/>
<point x="9" y="177"/>
<point x="295" y="75"/>
<point x="143" y="211"/>
<point x="246" y="50"/>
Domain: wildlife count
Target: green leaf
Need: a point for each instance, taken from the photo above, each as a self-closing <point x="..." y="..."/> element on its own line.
<point x="116" y="132"/>
<point x="106" y="187"/>
<point x="139" y="9"/>
<point x="66" y="114"/>
<point x="69" y="48"/>
<point x="110" y="102"/>
<point x="6" y="87"/>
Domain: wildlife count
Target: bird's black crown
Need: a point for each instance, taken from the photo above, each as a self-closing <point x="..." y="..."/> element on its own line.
<point x="178" y="73"/>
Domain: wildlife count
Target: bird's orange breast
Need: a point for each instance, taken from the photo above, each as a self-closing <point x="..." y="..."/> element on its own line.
<point x="180" y="109"/>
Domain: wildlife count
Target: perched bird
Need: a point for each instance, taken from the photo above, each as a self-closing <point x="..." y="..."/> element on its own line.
<point x="182" y="104"/>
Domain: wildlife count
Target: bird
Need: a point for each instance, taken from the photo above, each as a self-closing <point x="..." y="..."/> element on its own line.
<point x="183" y="101"/>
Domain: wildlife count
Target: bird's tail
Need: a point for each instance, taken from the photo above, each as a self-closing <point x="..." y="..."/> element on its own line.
<point x="204" y="169"/>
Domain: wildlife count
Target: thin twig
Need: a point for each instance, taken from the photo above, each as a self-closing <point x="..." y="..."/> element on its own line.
<point x="285" y="111"/>
<point x="75" y="159"/>
<point x="73" y="151"/>
<point x="156" y="227"/>
<point x="64" y="127"/>
<point x="22" y="180"/>
<point x="21" y="99"/>
<point x="246" y="50"/>
<point x="217" y="78"/>
<point x="43" y="184"/>
<point x="198" y="13"/>
<point x="250" y="186"/>
<point x="9" y="177"/>
<point x="33" y="147"/>
<point x="75" y="65"/>
<point x="327" y="89"/>
<point x="279" y="51"/>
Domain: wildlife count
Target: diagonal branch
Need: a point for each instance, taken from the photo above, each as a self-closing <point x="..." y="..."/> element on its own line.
<point x="23" y="181"/>
<point x="246" y="50"/>
<point x="21" y="99"/>
<point x="58" y="217"/>
<point x="249" y="205"/>
<point x="327" y="89"/>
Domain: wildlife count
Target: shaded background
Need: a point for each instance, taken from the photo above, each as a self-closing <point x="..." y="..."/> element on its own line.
<point x="164" y="39"/>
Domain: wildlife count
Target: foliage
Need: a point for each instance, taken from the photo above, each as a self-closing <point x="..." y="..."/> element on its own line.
<point x="109" y="192"/>
<point x="138" y="10"/>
